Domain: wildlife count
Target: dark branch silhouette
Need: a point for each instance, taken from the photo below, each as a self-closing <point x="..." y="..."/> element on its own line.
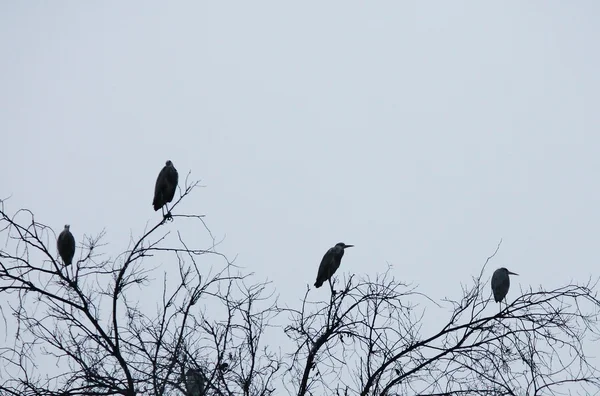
<point x="131" y="325"/>
<point x="94" y="328"/>
<point x="369" y="339"/>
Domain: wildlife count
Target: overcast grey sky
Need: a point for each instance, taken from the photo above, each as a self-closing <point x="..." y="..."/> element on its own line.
<point x="422" y="132"/>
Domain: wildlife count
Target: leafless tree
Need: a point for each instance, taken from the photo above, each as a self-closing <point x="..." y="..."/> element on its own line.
<point x="128" y="326"/>
<point x="91" y="328"/>
<point x="369" y="339"/>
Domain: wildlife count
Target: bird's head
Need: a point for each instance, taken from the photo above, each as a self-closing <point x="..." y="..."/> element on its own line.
<point x="169" y="163"/>
<point x="343" y="245"/>
<point x="507" y="271"/>
<point x="67" y="227"/>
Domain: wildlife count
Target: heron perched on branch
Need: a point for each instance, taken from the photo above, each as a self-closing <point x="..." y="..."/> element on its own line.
<point x="195" y="382"/>
<point x="330" y="263"/>
<point x="65" y="244"/>
<point x="501" y="283"/>
<point x="166" y="184"/>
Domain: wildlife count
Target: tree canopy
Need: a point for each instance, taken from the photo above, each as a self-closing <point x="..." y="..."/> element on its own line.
<point x="122" y="326"/>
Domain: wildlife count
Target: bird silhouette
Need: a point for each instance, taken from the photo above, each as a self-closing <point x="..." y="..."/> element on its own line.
<point x="166" y="184"/>
<point x="330" y="263"/>
<point x="65" y="244"/>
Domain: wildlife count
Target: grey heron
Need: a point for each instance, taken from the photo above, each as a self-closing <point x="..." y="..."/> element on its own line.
<point x="166" y="184"/>
<point x="330" y="263"/>
<point x="501" y="283"/>
<point x="65" y="244"/>
<point x="195" y="382"/>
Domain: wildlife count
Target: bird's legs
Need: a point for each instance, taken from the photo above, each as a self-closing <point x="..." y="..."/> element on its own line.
<point x="168" y="215"/>
<point x="331" y="286"/>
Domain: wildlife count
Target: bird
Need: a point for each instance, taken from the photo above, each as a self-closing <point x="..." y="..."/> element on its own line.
<point x="330" y="263"/>
<point x="166" y="184"/>
<point x="195" y="382"/>
<point x="65" y="244"/>
<point x="501" y="283"/>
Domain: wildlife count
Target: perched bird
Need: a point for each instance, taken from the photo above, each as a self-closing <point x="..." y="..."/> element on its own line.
<point x="195" y="382"/>
<point x="330" y="263"/>
<point x="501" y="283"/>
<point x="66" y="245"/>
<point x="166" y="184"/>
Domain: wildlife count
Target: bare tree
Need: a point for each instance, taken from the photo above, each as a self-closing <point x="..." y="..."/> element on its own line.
<point x="369" y="340"/>
<point x="82" y="329"/>
<point x="104" y="326"/>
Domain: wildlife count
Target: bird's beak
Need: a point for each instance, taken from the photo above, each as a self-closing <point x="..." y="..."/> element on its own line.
<point x="347" y="246"/>
<point x="512" y="273"/>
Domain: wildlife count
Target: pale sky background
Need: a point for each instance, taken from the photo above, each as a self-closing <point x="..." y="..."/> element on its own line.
<point x="422" y="132"/>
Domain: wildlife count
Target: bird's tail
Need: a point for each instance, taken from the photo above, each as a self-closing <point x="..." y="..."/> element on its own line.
<point x="318" y="284"/>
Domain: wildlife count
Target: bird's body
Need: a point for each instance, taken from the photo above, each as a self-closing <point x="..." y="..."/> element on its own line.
<point x="195" y="382"/>
<point x="65" y="244"/>
<point x="166" y="185"/>
<point x="330" y="263"/>
<point x="501" y="283"/>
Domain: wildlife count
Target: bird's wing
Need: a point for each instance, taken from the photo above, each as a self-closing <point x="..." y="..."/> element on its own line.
<point x="71" y="240"/>
<point x="496" y="280"/>
<point x="171" y="183"/>
<point x="161" y="179"/>
<point x="173" y="175"/>
<point x="324" y="266"/>
<point x="60" y="239"/>
<point x="500" y="285"/>
<point x="66" y="245"/>
<point x="161" y="182"/>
